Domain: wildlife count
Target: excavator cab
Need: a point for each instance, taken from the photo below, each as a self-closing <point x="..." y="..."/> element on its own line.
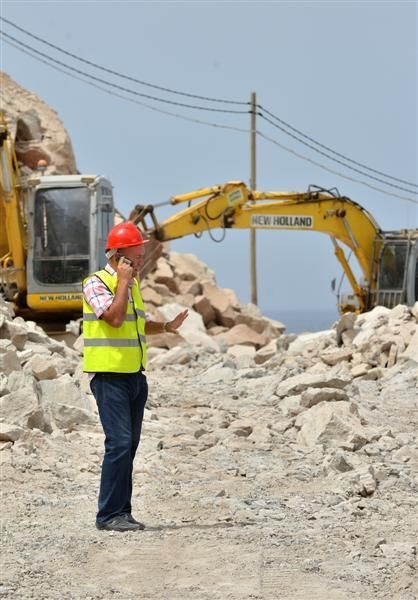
<point x="68" y="221"/>
<point x="397" y="275"/>
<point x="59" y="224"/>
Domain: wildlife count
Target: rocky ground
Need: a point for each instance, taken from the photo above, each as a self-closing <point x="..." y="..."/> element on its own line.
<point x="287" y="475"/>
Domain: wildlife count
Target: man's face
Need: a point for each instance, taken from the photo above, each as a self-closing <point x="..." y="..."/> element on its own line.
<point x="136" y="255"/>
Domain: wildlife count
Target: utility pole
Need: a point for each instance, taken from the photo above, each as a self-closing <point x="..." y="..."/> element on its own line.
<point x="253" y="254"/>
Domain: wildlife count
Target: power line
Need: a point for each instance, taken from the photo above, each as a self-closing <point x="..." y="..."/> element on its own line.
<point x="127" y="99"/>
<point x="325" y="168"/>
<point x="119" y="87"/>
<point x="210" y="124"/>
<point x="206" y="98"/>
<point x="394" y="185"/>
<point x="333" y="151"/>
<point x="116" y="73"/>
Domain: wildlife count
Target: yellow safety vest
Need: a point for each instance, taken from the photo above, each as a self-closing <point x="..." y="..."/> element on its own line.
<point x="110" y="349"/>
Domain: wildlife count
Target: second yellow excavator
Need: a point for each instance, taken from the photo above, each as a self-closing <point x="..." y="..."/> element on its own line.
<point x="388" y="260"/>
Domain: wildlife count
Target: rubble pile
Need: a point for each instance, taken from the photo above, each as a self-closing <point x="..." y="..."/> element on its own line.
<point x="38" y="132"/>
<point x="39" y="380"/>
<point x="302" y="439"/>
<point x="216" y="317"/>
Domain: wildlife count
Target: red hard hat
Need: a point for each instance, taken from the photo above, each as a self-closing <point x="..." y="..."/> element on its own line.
<point x="124" y="235"/>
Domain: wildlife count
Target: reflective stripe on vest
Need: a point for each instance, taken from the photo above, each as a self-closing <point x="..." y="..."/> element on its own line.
<point x="115" y="343"/>
<point x="130" y="317"/>
<point x="115" y="349"/>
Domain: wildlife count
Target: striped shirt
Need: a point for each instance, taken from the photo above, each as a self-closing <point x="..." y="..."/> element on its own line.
<point x="98" y="296"/>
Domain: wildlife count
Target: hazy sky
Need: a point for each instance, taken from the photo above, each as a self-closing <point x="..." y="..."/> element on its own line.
<point x="344" y="73"/>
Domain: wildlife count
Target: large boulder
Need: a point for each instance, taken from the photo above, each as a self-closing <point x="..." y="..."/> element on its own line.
<point x="242" y="334"/>
<point x="332" y="424"/>
<point x="23" y="408"/>
<point x="164" y="275"/>
<point x="189" y="267"/>
<point x="37" y="130"/>
<point x="221" y="303"/>
<point x="9" y="360"/>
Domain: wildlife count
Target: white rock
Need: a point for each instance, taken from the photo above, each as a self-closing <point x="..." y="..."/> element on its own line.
<point x="332" y="424"/>
<point x="194" y="321"/>
<point x="217" y="373"/>
<point x="360" y="370"/>
<point x="10" y="432"/>
<point x="363" y="480"/>
<point x="22" y="379"/>
<point x="23" y="408"/>
<point x="400" y="312"/>
<point x="266" y="352"/>
<point x="242" y="427"/>
<point x="305" y="340"/>
<point x="313" y="396"/>
<point x="244" y="362"/>
<point x="42" y="367"/>
<point x="243" y="335"/>
<point x="240" y="350"/>
<point x="16" y="332"/>
<point x="411" y="353"/>
<point x="198" y="338"/>
<point x="180" y="355"/>
<point x="63" y="390"/>
<point x="4" y="384"/>
<point x="189" y="267"/>
<point x="6" y="308"/>
<point x="370" y="321"/>
<point x="68" y="417"/>
<point x="290" y="406"/>
<point x="335" y="355"/>
<point x="9" y="360"/>
<point x="299" y="383"/>
<point x="338" y="461"/>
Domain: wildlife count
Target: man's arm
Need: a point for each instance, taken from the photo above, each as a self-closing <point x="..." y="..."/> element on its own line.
<point x="116" y="313"/>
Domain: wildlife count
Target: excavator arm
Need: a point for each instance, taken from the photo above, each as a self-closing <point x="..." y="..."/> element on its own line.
<point x="12" y="232"/>
<point x="234" y="206"/>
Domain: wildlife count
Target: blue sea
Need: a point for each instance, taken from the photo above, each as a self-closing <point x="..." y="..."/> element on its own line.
<point x="304" y="320"/>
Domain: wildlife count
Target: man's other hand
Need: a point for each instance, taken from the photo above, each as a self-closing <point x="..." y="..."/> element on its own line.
<point x="173" y="325"/>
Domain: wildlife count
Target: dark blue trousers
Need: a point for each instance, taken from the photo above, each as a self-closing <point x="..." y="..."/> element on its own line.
<point x="121" y="401"/>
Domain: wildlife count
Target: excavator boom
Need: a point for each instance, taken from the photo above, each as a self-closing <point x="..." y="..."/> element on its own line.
<point x="234" y="206"/>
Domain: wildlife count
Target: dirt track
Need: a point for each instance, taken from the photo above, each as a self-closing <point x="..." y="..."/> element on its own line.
<point x="228" y="517"/>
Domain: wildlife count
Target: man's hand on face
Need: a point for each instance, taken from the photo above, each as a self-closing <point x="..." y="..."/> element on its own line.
<point x="124" y="270"/>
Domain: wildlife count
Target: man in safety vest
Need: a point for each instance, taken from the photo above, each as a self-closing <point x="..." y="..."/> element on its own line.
<point x="114" y="330"/>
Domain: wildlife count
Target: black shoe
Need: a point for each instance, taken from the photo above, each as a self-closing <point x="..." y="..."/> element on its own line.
<point x="130" y="519"/>
<point x="119" y="523"/>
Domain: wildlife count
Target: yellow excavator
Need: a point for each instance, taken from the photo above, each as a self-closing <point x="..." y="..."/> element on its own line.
<point x="53" y="231"/>
<point x="388" y="260"/>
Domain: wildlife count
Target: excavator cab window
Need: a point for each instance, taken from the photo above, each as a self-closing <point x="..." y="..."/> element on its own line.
<point x="393" y="266"/>
<point x="391" y="288"/>
<point x="61" y="235"/>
